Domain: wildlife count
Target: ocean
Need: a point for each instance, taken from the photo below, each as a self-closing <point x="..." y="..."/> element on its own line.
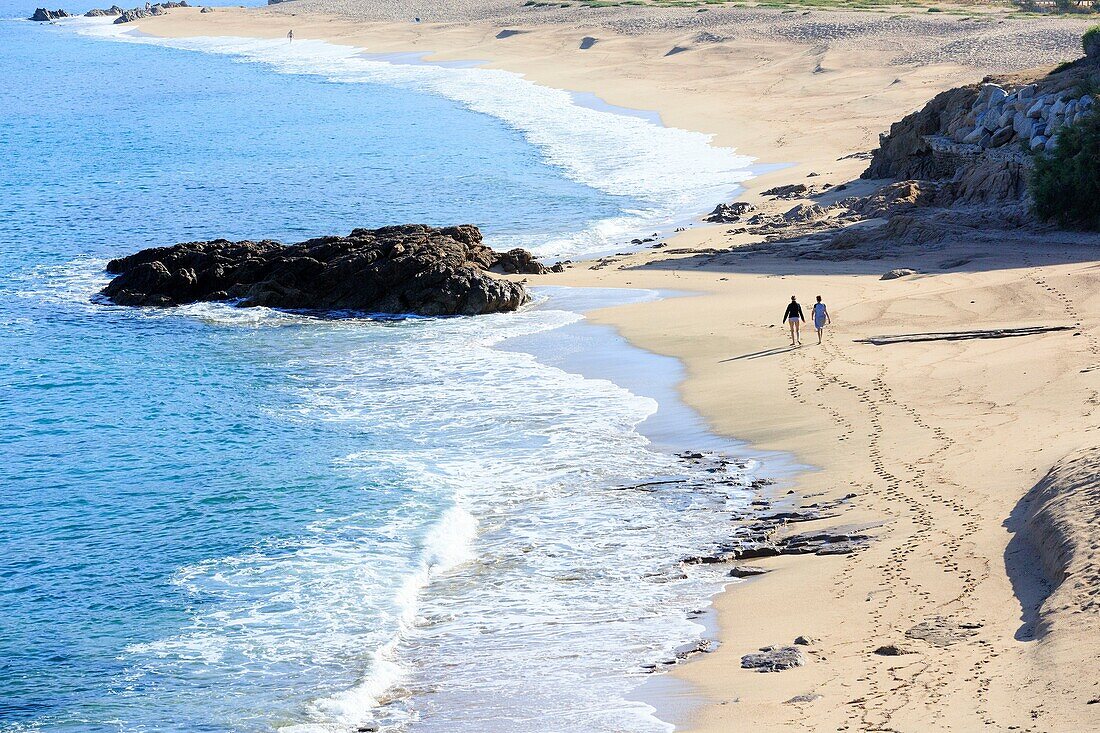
<point x="219" y="519"/>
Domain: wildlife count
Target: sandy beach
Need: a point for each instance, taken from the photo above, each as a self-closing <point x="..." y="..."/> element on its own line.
<point x="972" y="461"/>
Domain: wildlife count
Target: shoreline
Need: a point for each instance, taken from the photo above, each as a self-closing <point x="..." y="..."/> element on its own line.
<point x="922" y="434"/>
<point x="673" y="428"/>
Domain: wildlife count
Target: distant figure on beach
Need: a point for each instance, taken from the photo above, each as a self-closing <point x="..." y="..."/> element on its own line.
<point x="794" y="318"/>
<point x="290" y="35"/>
<point x="821" y="317"/>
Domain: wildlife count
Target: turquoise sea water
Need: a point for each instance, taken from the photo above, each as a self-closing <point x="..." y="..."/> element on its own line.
<point x="242" y="520"/>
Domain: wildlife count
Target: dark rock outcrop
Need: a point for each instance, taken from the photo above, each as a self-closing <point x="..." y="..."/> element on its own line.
<point x="104" y="13"/>
<point x="729" y="213"/>
<point x="412" y="269"/>
<point x="904" y="153"/>
<point x="42" y="15"/>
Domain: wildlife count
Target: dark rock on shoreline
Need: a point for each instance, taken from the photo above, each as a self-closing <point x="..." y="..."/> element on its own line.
<point x="42" y="15"/>
<point x="518" y="262"/>
<point x="746" y="571"/>
<point x="410" y="269"/>
<point x="761" y="544"/>
<point x="774" y="659"/>
<point x="790" y="191"/>
<point x="101" y="13"/>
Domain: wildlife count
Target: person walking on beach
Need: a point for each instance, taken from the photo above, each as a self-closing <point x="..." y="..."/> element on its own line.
<point x="290" y="35"/>
<point x="794" y="318"/>
<point x="821" y="318"/>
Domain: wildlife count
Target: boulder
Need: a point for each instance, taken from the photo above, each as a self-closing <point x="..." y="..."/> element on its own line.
<point x="791" y="191"/>
<point x="518" y="262"/>
<point x="1001" y="136"/>
<point x="774" y="659"/>
<point x="729" y="213"/>
<point x="804" y="213"/>
<point x="43" y="15"/>
<point x="410" y="269"/>
<point x="207" y="9"/>
<point x="897" y="272"/>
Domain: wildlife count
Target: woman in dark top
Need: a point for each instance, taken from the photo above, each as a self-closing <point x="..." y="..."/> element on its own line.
<point x="793" y="317"/>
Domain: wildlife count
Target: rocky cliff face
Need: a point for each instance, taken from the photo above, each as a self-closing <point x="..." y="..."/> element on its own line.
<point x="402" y="269"/>
<point x="980" y="137"/>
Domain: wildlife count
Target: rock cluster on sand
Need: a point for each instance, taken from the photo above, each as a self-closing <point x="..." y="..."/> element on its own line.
<point x="103" y="13"/>
<point x="412" y="269"/>
<point x="128" y="16"/>
<point x="985" y="128"/>
<point x="729" y="213"/>
<point x="42" y="15"/>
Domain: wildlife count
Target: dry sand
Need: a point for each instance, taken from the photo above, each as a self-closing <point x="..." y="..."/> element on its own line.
<point x="940" y="441"/>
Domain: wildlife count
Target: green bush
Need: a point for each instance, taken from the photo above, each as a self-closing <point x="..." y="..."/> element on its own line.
<point x="1065" y="182"/>
<point x="1091" y="42"/>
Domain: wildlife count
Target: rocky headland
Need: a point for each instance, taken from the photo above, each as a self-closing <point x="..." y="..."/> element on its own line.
<point x="409" y="269"/>
<point x="960" y="166"/>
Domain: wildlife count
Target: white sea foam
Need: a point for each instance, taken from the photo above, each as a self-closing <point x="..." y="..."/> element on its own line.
<point x="672" y="174"/>
<point x="511" y="585"/>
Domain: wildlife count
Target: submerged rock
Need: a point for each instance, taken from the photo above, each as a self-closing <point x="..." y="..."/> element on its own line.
<point x="414" y="269"/>
<point x="41" y="14"/>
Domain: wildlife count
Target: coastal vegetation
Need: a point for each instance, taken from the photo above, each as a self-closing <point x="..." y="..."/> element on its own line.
<point x="1065" y="182"/>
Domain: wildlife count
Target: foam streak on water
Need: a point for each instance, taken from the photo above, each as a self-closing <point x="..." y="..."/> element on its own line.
<point x="676" y="174"/>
